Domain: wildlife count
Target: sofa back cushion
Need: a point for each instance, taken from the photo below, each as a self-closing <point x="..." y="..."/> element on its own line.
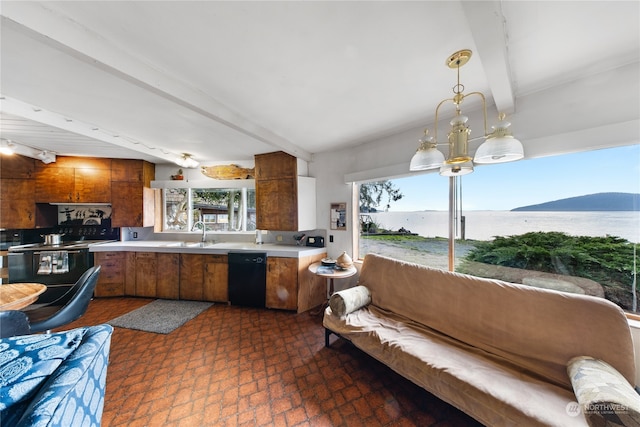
<point x="537" y="329"/>
<point x="73" y="394"/>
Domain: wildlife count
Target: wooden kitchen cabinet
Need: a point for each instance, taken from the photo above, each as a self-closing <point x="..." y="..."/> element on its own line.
<point x="284" y="200"/>
<point x="132" y="199"/>
<point x="17" y="167"/>
<point x="17" y="187"/>
<point x="192" y="277"/>
<point x="276" y="204"/>
<point x="141" y="274"/>
<point x="17" y="203"/>
<point x="111" y="281"/>
<point x="132" y="205"/>
<point x="74" y="180"/>
<point x="282" y="283"/>
<point x="312" y="289"/>
<point x="216" y="278"/>
<point x="130" y="170"/>
<point x="146" y="270"/>
<point x="276" y="165"/>
<point x="168" y="276"/>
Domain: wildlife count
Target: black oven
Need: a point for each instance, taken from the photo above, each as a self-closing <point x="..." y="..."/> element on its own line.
<point x="57" y="264"/>
<point x="49" y="265"/>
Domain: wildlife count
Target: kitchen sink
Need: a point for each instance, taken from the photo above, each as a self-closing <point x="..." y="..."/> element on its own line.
<point x="189" y="244"/>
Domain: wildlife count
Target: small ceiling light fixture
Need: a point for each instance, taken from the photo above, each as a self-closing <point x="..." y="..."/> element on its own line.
<point x="500" y="146"/>
<point x="7" y="147"/>
<point x="186" y="161"/>
<point x="46" y="157"/>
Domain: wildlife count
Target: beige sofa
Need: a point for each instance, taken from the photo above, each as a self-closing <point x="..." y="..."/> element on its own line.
<point x="498" y="351"/>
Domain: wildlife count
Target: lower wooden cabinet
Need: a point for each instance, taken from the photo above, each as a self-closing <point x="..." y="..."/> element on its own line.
<point x="168" y="276"/>
<point x="192" y="277"/>
<point x="112" y="274"/>
<point x="291" y="286"/>
<point x="204" y="277"/>
<point x="146" y="274"/>
<point x="282" y="283"/>
<point x="216" y="278"/>
<point x="312" y="289"/>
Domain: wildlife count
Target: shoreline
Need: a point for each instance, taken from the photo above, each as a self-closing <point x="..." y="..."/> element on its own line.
<point x="432" y="253"/>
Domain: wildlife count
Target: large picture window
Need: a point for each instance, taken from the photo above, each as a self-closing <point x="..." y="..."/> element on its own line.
<point x="563" y="222"/>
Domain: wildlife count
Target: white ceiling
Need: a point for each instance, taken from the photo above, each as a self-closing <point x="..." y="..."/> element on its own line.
<point x="225" y="80"/>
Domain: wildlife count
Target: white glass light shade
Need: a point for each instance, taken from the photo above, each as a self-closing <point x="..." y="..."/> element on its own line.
<point x="456" y="169"/>
<point x="499" y="150"/>
<point x="426" y="158"/>
<point x="186" y="161"/>
<point x="500" y="146"/>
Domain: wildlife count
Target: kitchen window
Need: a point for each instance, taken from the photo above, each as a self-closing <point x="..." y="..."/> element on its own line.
<point x="220" y="209"/>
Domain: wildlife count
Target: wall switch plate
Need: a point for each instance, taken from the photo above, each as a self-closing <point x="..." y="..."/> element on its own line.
<point x="135" y="234"/>
<point x="279" y="238"/>
<point x="330" y="238"/>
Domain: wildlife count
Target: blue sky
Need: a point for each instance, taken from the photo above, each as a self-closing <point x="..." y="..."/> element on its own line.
<point x="510" y="185"/>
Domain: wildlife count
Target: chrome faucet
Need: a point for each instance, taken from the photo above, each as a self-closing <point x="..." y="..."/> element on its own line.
<point x="300" y="238"/>
<point x="204" y="229"/>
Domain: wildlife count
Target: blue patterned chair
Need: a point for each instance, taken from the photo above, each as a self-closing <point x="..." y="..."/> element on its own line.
<point x="54" y="379"/>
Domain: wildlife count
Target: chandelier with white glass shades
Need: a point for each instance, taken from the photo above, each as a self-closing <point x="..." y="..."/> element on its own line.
<point x="499" y="145"/>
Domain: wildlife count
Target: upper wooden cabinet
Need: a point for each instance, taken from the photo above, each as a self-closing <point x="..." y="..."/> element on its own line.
<point x="17" y="186"/>
<point x="284" y="200"/>
<point x="129" y="170"/>
<point x="17" y="167"/>
<point x="276" y="165"/>
<point x="74" y="180"/>
<point x="132" y="201"/>
<point x="17" y="203"/>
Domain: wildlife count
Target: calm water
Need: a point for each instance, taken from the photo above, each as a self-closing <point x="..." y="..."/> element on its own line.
<point x="484" y="225"/>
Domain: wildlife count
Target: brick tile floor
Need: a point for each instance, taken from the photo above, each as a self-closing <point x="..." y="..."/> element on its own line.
<point x="235" y="366"/>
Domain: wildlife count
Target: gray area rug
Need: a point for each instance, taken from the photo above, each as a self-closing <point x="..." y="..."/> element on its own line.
<point x="161" y="316"/>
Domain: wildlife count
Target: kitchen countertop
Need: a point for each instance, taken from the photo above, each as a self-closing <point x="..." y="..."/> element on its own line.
<point x="221" y="248"/>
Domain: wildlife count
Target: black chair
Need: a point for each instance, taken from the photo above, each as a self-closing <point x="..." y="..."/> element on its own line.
<point x="48" y="317"/>
<point x="12" y="323"/>
<point x="56" y="296"/>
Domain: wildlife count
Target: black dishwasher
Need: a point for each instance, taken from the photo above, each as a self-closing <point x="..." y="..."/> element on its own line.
<point x="247" y="278"/>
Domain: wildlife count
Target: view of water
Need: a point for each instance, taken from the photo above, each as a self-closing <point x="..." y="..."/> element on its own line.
<point x="484" y="225"/>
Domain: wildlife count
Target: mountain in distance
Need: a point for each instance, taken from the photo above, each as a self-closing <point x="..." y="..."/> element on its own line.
<point x="590" y="202"/>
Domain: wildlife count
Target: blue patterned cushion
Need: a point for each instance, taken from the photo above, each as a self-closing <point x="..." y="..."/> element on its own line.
<point x="25" y="364"/>
<point x="74" y="394"/>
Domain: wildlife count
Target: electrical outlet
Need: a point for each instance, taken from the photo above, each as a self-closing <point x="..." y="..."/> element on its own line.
<point x="135" y="234"/>
<point x="330" y="238"/>
<point x="279" y="238"/>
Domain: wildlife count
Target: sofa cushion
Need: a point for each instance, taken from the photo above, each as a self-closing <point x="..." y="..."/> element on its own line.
<point x="492" y="390"/>
<point x="74" y="394"/>
<point x="349" y="300"/>
<point x="605" y="396"/>
<point x="25" y="364"/>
